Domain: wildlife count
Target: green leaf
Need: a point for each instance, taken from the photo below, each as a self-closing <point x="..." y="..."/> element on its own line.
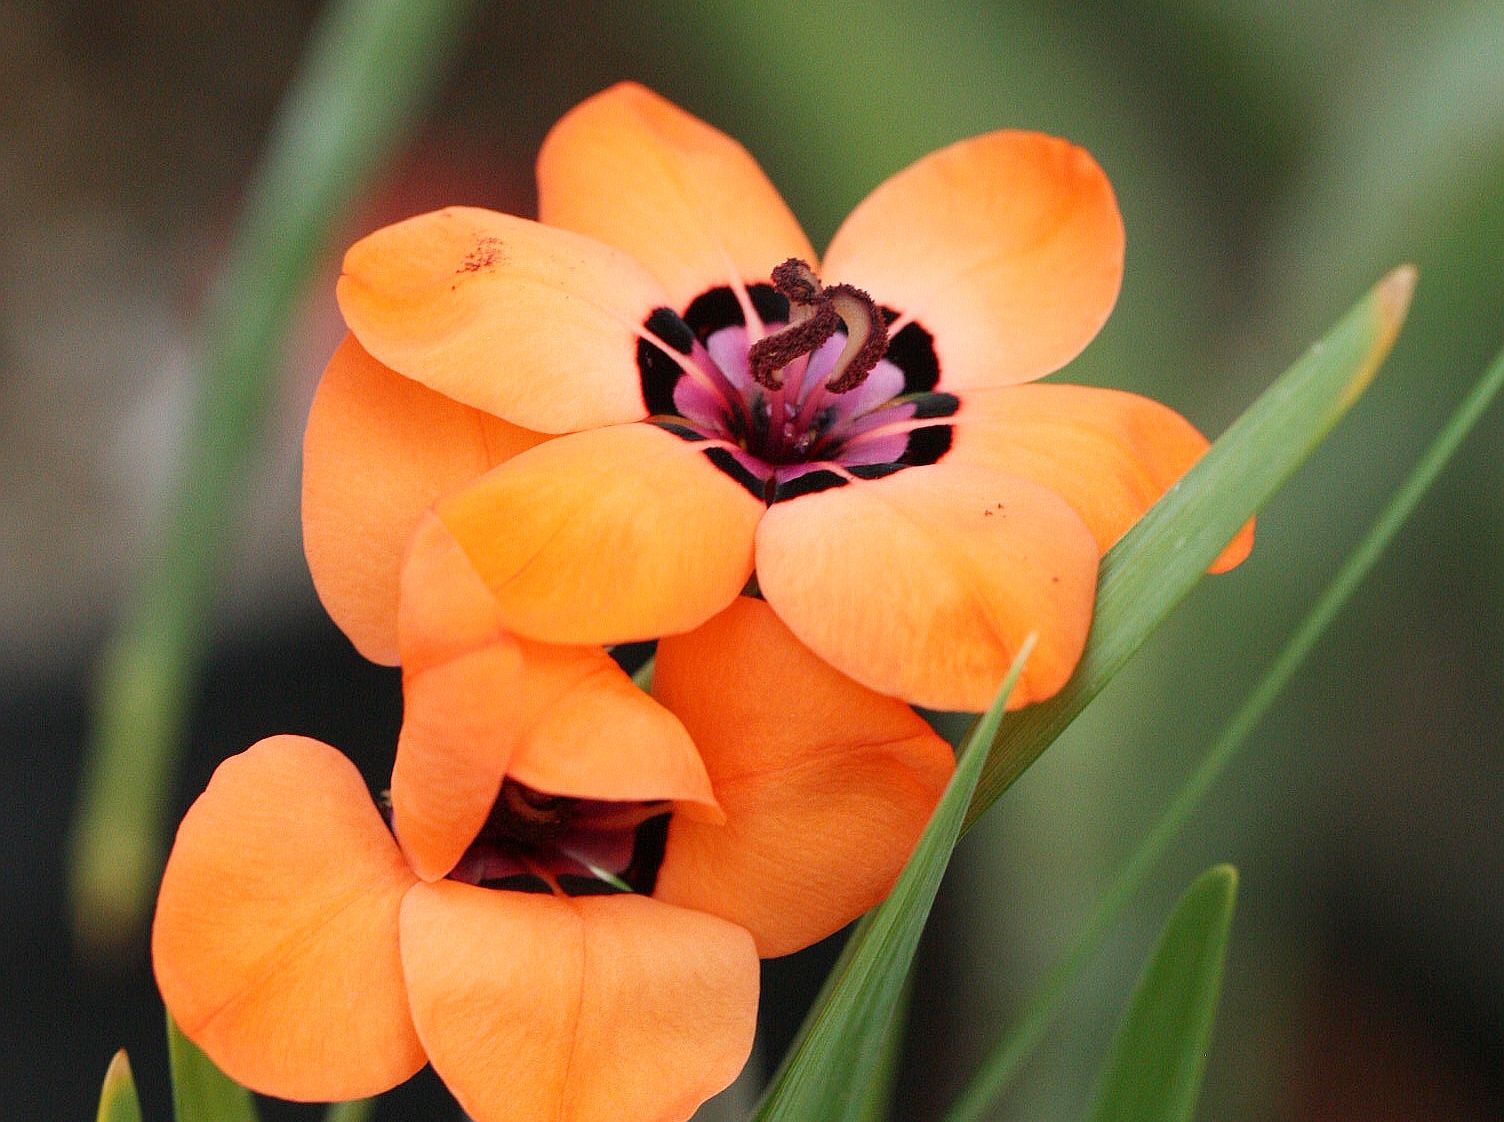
<point x="1028" y="1029"/>
<point x="200" y="1091"/>
<point x="1154" y="1066"/>
<point x="840" y="1048"/>
<point x="368" y="66"/>
<point x="117" y="1097"/>
<point x="1166" y="553"/>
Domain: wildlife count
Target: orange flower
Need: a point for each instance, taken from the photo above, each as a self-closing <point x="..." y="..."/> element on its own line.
<point x="914" y="512"/>
<point x="569" y="930"/>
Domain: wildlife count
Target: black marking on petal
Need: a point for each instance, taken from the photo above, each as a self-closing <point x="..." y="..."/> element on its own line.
<point x="875" y="471"/>
<point x="648" y="848"/>
<point x="517" y="882"/>
<point x="926" y="445"/>
<point x="912" y="350"/>
<point x="772" y="306"/>
<point x="575" y="885"/>
<point x="929" y="406"/>
<point x="809" y="483"/>
<point x="723" y="459"/>
<point x="666" y="324"/>
<point x="710" y="311"/>
<point x="659" y="375"/>
<point x="683" y="432"/>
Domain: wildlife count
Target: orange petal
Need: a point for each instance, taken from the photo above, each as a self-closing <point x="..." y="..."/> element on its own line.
<point x="275" y="939"/>
<point x="380" y="450"/>
<point x="481" y="704"/>
<point x="1110" y="454"/>
<point x="637" y="172"/>
<point x="1007" y="248"/>
<point x="608" y="536"/>
<point x="826" y="785"/>
<point x="539" y="1008"/>
<point x="533" y="324"/>
<point x="925" y="584"/>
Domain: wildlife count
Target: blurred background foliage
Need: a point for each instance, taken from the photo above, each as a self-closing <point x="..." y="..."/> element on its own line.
<point x="1271" y="160"/>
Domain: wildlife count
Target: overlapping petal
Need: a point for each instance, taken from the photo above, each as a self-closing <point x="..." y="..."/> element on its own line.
<point x="481" y="704"/>
<point x="1110" y="454"/>
<point x="609" y="536"/>
<point x="1007" y="248"/>
<point x="536" y="325"/>
<point x="635" y="171"/>
<point x="826" y="786"/>
<point x="925" y="584"/>
<point x="593" y="1009"/>
<point x="380" y="449"/>
<point x="278" y="917"/>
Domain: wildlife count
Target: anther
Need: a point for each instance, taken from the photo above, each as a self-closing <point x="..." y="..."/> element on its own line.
<point x="815" y="313"/>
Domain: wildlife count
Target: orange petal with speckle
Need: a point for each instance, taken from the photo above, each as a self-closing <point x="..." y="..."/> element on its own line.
<point x="925" y="584"/>
<point x="1110" y="454"/>
<point x="535" y="325"/>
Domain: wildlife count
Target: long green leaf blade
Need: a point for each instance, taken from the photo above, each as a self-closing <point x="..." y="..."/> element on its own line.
<point x="369" y="65"/>
<point x="1156" y="1060"/>
<point x="1162" y="558"/>
<point x="117" y="1097"/>
<point x="841" y="1045"/>
<point x="1029" y="1028"/>
<point x="200" y="1091"/>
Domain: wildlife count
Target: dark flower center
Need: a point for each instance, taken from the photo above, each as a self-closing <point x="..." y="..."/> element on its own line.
<point x="796" y="386"/>
<point x="536" y="842"/>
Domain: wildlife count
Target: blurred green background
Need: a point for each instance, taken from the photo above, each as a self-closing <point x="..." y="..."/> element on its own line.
<point x="1271" y="161"/>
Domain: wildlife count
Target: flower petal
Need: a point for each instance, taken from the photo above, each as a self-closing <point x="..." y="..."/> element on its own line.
<point x="381" y="449"/>
<point x="1006" y="248"/>
<point x="635" y="171"/>
<point x="1110" y="454"/>
<point x="481" y="704"/>
<point x="924" y="584"/>
<point x="826" y="785"/>
<point x="536" y="325"/>
<point x="539" y="1008"/>
<point x="607" y="537"/>
<point x="275" y="938"/>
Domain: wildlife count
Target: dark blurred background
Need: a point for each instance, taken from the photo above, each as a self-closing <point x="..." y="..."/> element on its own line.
<point x="1272" y="161"/>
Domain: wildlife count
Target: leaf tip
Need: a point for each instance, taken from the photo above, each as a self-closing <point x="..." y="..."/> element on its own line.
<point x="119" y="1071"/>
<point x="1394" y="293"/>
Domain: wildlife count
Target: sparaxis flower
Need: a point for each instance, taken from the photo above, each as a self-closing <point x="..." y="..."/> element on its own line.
<point x="586" y="876"/>
<point x="627" y="411"/>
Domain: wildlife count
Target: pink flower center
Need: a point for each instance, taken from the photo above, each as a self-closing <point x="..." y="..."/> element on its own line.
<point x="813" y="396"/>
<point x="537" y="842"/>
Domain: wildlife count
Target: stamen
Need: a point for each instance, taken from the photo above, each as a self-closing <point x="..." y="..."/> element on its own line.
<point x="814" y="315"/>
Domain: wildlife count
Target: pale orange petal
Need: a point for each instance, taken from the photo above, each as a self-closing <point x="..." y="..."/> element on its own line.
<point x="537" y="1008"/>
<point x="637" y="172"/>
<point x="481" y="704"/>
<point x="925" y="584"/>
<point x="536" y="325"/>
<point x="826" y="785"/>
<point x="275" y="939"/>
<point x="381" y="449"/>
<point x="608" y="536"/>
<point x="1110" y="454"/>
<point x="1007" y="248"/>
